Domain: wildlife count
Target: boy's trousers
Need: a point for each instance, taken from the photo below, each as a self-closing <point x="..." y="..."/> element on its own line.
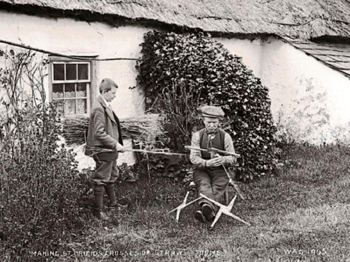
<point x="211" y="182"/>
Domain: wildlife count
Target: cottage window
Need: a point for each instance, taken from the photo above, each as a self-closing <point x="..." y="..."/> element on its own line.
<point x="71" y="84"/>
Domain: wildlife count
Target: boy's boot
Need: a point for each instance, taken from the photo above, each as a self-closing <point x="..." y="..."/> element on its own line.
<point x="98" y="208"/>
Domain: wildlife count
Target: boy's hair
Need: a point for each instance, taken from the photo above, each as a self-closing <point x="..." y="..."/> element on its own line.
<point x="106" y="85"/>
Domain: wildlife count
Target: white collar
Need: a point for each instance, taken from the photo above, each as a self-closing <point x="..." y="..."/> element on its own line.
<point x="104" y="100"/>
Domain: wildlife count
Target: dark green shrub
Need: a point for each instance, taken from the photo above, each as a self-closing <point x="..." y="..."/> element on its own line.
<point x="40" y="187"/>
<point x="182" y="72"/>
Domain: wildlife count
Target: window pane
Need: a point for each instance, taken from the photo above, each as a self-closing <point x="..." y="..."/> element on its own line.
<point x="71" y="71"/>
<point x="69" y="107"/>
<point x="73" y="90"/>
<point x="81" y="106"/>
<point x="57" y="91"/>
<point x="69" y="91"/>
<point x="83" y="71"/>
<point x="81" y="90"/>
<point x="58" y="72"/>
<point x="60" y="107"/>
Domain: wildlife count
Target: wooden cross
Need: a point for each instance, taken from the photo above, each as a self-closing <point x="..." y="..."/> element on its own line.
<point x="224" y="209"/>
<point x="231" y="182"/>
<point x="183" y="205"/>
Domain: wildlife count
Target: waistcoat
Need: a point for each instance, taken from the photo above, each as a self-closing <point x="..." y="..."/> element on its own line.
<point x="217" y="142"/>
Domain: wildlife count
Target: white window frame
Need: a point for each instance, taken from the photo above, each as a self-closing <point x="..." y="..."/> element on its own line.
<point x="89" y="82"/>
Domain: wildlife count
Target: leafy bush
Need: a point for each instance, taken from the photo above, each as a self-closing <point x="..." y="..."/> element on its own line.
<point x="182" y="72"/>
<point x="40" y="188"/>
<point x="127" y="173"/>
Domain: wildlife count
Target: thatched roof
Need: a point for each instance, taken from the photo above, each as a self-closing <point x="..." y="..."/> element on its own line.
<point x="303" y="19"/>
<point x="334" y="55"/>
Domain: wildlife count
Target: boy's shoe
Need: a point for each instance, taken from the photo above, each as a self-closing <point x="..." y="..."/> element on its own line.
<point x="208" y="212"/>
<point x="118" y="206"/>
<point x="99" y="214"/>
<point x="123" y="203"/>
<point x="199" y="216"/>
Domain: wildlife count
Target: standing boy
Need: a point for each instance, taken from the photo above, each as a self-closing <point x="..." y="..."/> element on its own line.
<point x="104" y="141"/>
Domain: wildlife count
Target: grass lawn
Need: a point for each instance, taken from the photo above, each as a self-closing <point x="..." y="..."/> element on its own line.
<point x="301" y="215"/>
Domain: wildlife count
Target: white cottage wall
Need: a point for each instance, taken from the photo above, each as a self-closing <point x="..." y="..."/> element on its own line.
<point x="310" y="102"/>
<point x="249" y="50"/>
<point x="70" y="37"/>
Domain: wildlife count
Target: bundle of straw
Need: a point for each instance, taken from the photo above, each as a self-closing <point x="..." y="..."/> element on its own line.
<point x="141" y="128"/>
<point x="75" y="129"/>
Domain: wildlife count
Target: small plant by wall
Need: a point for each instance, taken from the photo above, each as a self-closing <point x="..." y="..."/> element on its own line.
<point x="182" y="72"/>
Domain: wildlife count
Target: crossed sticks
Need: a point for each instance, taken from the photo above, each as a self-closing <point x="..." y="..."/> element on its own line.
<point x="222" y="209"/>
<point x="182" y="206"/>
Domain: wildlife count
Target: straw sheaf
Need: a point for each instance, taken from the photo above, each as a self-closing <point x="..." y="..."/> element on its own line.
<point x="294" y="18"/>
<point x="139" y="128"/>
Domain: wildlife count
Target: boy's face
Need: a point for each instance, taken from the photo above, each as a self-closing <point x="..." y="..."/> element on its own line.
<point x="110" y="95"/>
<point x="211" y="124"/>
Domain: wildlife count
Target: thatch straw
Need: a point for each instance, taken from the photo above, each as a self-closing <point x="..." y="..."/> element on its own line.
<point x="294" y="18"/>
<point x="141" y="128"/>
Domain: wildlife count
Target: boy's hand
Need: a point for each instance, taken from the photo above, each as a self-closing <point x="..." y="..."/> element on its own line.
<point x="214" y="162"/>
<point x="120" y="148"/>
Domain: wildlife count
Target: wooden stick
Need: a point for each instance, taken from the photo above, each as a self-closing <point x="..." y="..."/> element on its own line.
<point x="224" y="210"/>
<point x="182" y="206"/>
<point x="233" y="183"/>
<point x="223" y="152"/>
<point x="154" y="152"/>
<point x="213" y="150"/>
<point x="189" y="203"/>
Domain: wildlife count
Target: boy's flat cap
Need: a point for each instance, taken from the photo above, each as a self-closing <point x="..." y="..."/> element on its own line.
<point x="212" y="111"/>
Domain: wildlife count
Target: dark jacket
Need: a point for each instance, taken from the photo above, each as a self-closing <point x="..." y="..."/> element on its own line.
<point x="104" y="132"/>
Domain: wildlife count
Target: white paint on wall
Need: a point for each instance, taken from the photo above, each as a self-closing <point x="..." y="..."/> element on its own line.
<point x="313" y="99"/>
<point x="128" y="102"/>
<point x="310" y="102"/>
<point x="71" y="37"/>
<point x="249" y="50"/>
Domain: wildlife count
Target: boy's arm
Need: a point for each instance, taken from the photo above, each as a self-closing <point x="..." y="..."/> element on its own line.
<point x="195" y="155"/>
<point x="229" y="160"/>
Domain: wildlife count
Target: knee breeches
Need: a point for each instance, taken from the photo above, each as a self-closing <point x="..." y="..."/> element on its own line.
<point x="212" y="183"/>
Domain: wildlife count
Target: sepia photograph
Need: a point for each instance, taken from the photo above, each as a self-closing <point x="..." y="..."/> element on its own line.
<point x="175" y="130"/>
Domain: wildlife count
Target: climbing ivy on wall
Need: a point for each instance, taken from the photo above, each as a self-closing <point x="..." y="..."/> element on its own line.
<point x="174" y="68"/>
